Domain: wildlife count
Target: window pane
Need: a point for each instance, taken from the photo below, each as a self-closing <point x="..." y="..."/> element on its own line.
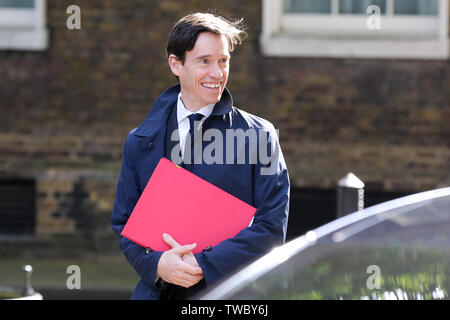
<point x="307" y="6"/>
<point x="426" y="7"/>
<point x="360" y="6"/>
<point x="16" y="3"/>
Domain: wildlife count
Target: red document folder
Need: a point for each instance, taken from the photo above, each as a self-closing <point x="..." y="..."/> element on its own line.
<point x="190" y="209"/>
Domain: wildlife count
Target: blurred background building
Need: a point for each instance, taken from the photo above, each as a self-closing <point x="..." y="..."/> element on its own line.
<point x="349" y="91"/>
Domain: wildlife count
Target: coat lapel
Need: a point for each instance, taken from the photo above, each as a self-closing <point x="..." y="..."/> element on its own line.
<point x="152" y="133"/>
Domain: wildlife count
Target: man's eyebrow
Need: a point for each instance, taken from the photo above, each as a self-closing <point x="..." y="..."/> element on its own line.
<point x="203" y="57"/>
<point x="207" y="56"/>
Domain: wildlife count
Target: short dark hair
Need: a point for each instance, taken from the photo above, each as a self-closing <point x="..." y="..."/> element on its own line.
<point x="185" y="32"/>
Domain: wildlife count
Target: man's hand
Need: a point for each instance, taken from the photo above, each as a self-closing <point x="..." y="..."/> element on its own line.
<point x="172" y="268"/>
<point x="187" y="257"/>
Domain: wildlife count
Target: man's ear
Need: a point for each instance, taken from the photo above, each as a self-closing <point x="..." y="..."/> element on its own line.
<point x="175" y="64"/>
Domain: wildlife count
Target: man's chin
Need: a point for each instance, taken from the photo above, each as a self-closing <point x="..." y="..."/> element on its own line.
<point x="213" y="100"/>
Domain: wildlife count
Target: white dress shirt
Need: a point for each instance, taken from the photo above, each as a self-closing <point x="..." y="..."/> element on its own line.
<point x="183" y="120"/>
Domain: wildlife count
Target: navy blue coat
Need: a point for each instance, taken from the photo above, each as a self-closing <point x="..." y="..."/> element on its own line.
<point x="269" y="193"/>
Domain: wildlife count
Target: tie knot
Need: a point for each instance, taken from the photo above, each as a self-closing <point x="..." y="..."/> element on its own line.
<point x="195" y="117"/>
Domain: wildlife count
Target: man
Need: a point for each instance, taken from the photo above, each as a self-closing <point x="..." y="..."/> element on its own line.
<point x="199" y="56"/>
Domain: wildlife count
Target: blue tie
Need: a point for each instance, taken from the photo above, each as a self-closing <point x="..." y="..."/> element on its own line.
<point x="193" y="126"/>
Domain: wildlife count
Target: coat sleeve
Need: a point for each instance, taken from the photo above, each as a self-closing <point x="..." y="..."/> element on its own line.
<point x="271" y="190"/>
<point x="127" y="194"/>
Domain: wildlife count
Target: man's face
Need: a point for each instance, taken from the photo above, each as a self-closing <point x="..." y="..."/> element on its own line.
<point x="204" y="74"/>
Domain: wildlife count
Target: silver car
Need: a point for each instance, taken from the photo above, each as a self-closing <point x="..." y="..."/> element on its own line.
<point x="399" y="249"/>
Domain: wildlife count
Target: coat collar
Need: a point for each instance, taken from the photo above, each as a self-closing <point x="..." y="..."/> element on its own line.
<point x="157" y="116"/>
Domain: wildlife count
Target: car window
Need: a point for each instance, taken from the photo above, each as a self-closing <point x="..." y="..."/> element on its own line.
<point x="350" y="272"/>
<point x="400" y="254"/>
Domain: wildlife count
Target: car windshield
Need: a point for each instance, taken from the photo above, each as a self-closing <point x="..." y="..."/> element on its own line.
<point x="402" y="253"/>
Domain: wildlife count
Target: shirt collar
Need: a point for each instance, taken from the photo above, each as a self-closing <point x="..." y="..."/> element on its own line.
<point x="157" y="116"/>
<point x="183" y="113"/>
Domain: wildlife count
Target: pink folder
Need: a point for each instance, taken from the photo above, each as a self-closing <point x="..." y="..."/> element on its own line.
<point x="190" y="209"/>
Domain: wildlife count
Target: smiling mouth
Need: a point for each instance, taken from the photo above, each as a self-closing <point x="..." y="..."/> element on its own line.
<point x="211" y="86"/>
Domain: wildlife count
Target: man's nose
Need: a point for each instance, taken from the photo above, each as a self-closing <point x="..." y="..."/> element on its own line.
<point x="216" y="71"/>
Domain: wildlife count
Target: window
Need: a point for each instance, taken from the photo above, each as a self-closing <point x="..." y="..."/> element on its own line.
<point x="22" y="25"/>
<point x="414" y="29"/>
<point x="17" y="207"/>
<point x="314" y="207"/>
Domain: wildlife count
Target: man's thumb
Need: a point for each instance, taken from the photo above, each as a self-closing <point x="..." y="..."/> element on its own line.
<point x="186" y="248"/>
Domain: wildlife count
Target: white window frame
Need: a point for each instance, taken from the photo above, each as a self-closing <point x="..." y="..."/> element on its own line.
<point x="347" y="36"/>
<point x="24" y="28"/>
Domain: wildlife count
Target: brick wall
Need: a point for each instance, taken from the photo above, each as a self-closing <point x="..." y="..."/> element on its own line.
<point x="66" y="111"/>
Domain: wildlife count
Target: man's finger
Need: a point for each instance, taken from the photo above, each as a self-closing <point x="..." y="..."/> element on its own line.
<point x="170" y="241"/>
<point x="184" y="249"/>
<point x="188" y="281"/>
<point x="190" y="269"/>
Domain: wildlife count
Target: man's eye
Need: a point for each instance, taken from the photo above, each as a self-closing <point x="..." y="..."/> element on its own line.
<point x="223" y="60"/>
<point x="204" y="61"/>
